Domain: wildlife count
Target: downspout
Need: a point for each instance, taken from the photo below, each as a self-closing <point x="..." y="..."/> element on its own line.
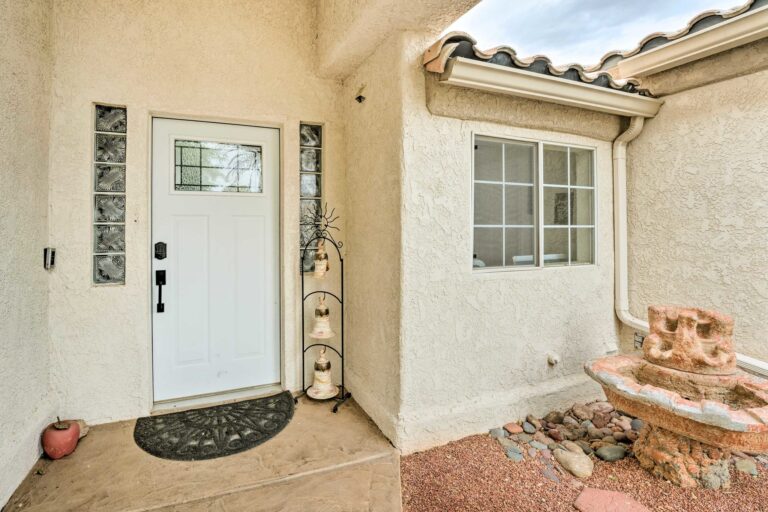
<point x="621" y="245"/>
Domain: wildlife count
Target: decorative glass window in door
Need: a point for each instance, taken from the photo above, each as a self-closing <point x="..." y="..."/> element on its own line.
<point x="202" y="166"/>
<point x="310" y="185"/>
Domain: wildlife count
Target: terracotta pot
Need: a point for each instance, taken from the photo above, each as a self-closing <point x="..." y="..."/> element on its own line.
<point x="60" y="438"/>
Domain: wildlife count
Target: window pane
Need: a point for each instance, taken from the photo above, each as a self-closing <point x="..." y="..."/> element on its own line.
<point x="488" y="249"/>
<point x="309" y="207"/>
<point x="581" y="167"/>
<point x="519" y="161"/>
<point x="582" y="245"/>
<point x="555" y="246"/>
<point x="555" y="206"/>
<point x="582" y="207"/>
<point x="520" y="246"/>
<point x="488" y="164"/>
<point x="519" y="205"/>
<point x="310" y="185"/>
<point x="488" y="206"/>
<point x="555" y="165"/>
<point x="217" y="167"/>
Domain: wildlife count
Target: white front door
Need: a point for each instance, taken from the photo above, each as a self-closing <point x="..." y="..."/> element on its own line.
<point x="215" y="207"/>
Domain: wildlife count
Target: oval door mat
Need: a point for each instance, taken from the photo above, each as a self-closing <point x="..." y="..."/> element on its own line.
<point x="217" y="431"/>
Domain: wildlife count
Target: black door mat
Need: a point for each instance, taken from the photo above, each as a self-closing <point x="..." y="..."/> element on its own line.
<point x="217" y="431"/>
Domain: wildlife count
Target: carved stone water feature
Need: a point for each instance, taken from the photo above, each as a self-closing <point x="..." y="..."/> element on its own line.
<point x="697" y="406"/>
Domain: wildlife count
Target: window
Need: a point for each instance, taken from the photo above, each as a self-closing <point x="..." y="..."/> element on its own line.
<point x="310" y="185"/>
<point x="530" y="199"/>
<point x="203" y="166"/>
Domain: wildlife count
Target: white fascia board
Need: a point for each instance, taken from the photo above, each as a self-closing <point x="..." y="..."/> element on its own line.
<point x="480" y="75"/>
<point x="718" y="38"/>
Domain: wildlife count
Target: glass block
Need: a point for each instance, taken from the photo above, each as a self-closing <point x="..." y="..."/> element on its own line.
<point x="582" y="207"/>
<point x="555" y="165"/>
<point x="555" y="246"/>
<point x="489" y="164"/>
<point x="109" y="269"/>
<point x="308" y="262"/>
<point x="518" y="205"/>
<point x="109" y="208"/>
<point x="520" y="247"/>
<point x="488" y="204"/>
<point x="582" y="173"/>
<point x="310" y="185"/>
<point x="109" y="178"/>
<point x="111" y="119"/>
<point x="519" y="162"/>
<point x="555" y="206"/>
<point x="310" y="160"/>
<point x="308" y="209"/>
<point x="582" y="246"/>
<point x="108" y="238"/>
<point x="488" y="250"/>
<point x="310" y="135"/>
<point x="307" y="232"/>
<point x="109" y="148"/>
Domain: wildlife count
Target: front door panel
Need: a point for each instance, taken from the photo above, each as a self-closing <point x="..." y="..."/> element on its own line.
<point x="215" y="205"/>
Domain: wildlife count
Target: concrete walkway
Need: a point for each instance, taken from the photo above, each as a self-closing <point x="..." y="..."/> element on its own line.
<point x="320" y="462"/>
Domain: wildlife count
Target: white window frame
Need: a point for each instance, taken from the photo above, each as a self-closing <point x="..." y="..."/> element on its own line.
<point x="538" y="221"/>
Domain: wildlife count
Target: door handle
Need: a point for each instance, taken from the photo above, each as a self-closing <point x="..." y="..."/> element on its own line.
<point x="160" y="282"/>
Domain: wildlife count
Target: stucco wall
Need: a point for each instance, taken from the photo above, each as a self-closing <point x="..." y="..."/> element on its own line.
<point x="698" y="206"/>
<point x="25" y="400"/>
<point x="247" y="61"/>
<point x="475" y="345"/>
<point x="374" y="157"/>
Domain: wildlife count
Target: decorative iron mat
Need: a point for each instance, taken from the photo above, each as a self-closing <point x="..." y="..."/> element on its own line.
<point x="217" y="431"/>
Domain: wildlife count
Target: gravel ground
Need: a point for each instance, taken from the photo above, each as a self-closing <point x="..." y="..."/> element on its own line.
<point x="474" y="475"/>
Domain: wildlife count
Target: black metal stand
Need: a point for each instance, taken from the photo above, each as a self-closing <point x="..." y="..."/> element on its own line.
<point x="344" y="394"/>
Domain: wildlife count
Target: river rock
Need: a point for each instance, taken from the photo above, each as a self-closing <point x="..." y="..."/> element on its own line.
<point x="747" y="466"/>
<point x="595" y="433"/>
<point x="620" y="436"/>
<point x="577" y="464"/>
<point x="497" y="432"/>
<point x="555" y="434"/>
<point x="555" y="417"/>
<point x="605" y="407"/>
<point x="632" y="435"/>
<point x="533" y="421"/>
<point x="570" y="422"/>
<point x="611" y="453"/>
<point x="513" y="428"/>
<point x="636" y="424"/>
<point x="582" y="412"/>
<point x="585" y="447"/>
<point x="523" y="438"/>
<point x="528" y="428"/>
<point x="601" y="419"/>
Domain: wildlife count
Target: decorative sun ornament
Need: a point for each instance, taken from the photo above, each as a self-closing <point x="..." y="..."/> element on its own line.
<point x="323" y="220"/>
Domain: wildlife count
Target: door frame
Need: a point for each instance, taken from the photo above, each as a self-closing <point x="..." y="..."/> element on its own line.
<point x="208" y="399"/>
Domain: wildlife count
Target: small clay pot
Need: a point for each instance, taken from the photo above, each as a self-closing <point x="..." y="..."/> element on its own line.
<point x="60" y="438"/>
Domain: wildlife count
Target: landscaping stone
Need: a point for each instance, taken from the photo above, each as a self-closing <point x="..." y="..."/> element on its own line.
<point x="513" y="428"/>
<point x="515" y="456"/>
<point x="632" y="435"/>
<point x="620" y="436"/>
<point x="531" y="452"/>
<point x="586" y="424"/>
<point x="624" y="423"/>
<point x="585" y="447"/>
<point x="533" y="421"/>
<point x="582" y="412"/>
<point x="610" y="453"/>
<point x="746" y="466"/>
<point x="528" y="428"/>
<point x="577" y="464"/>
<point x="550" y="473"/>
<point x="599" y="500"/>
<point x="606" y="407"/>
<point x="555" y="417"/>
<point x="538" y="445"/>
<point x="609" y="440"/>
<point x="636" y="424"/>
<point x="595" y="433"/>
<point x="601" y="419"/>
<point x="570" y="422"/>
<point x="506" y="442"/>
<point x="497" y="432"/>
<point x="524" y="438"/>
<point x="555" y="434"/>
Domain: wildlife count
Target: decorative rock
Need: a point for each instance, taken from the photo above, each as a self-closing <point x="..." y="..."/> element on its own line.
<point x="632" y="435"/>
<point x="601" y="419"/>
<point x="586" y="424"/>
<point x="506" y="442"/>
<point x="533" y="421"/>
<point x="571" y="446"/>
<point x="596" y="445"/>
<point x="577" y="464"/>
<point x="747" y="466"/>
<point x="513" y="428"/>
<point x="582" y="412"/>
<point x="636" y="424"/>
<point x="514" y="454"/>
<point x="570" y="422"/>
<point x="611" y="453"/>
<point x="595" y="433"/>
<point x="606" y="431"/>
<point x="585" y="447"/>
<point x="620" y="436"/>
<point x="554" y="417"/>
<point x="528" y="428"/>
<point x="538" y="445"/>
<point x="609" y="440"/>
<point x="523" y="438"/>
<point x="497" y="432"/>
<point x="531" y="452"/>
<point x="625" y="424"/>
<point x="605" y="407"/>
<point x="555" y="434"/>
<point x="598" y="500"/>
<point x="549" y="473"/>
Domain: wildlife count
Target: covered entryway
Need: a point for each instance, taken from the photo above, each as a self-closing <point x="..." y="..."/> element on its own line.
<point x="215" y="261"/>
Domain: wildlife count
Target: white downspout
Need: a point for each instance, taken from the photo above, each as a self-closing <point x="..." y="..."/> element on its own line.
<point x="621" y="245"/>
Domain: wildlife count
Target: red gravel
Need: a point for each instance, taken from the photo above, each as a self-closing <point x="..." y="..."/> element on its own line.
<point x="474" y="475"/>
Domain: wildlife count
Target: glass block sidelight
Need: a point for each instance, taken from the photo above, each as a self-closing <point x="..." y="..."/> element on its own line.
<point x="310" y="135"/>
<point x="110" y="125"/>
<point x="310" y="187"/>
<point x="109" y="269"/>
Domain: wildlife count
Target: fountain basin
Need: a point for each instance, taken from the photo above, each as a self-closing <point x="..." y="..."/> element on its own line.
<point x="726" y="411"/>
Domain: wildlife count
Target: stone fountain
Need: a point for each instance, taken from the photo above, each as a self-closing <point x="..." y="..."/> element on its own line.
<point x="696" y="405"/>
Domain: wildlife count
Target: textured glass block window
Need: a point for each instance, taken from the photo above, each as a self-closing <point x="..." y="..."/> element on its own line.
<point x="110" y="125"/>
<point x="310" y="185"/>
<point x="202" y="166"/>
<point x="532" y="199"/>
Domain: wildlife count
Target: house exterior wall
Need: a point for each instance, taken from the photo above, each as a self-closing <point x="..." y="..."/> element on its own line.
<point x="26" y="404"/>
<point x="475" y="345"/>
<point x="698" y="207"/>
<point x="226" y="60"/>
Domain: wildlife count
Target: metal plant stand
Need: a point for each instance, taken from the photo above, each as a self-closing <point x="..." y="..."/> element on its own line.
<point x="343" y="394"/>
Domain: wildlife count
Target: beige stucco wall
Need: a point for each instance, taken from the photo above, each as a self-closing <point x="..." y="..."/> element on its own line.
<point x="245" y="61"/>
<point x="26" y="404"/>
<point x="698" y="204"/>
<point x="475" y="345"/>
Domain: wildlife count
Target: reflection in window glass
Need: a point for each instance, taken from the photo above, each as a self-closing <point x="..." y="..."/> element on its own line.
<point x="203" y="166"/>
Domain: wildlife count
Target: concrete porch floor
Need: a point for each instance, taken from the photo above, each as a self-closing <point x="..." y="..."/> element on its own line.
<point x="320" y="462"/>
